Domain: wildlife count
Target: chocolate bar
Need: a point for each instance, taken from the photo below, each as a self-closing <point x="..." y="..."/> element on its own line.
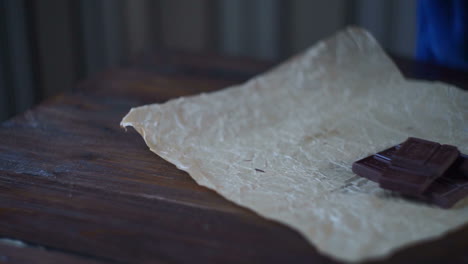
<point x="416" y="164"/>
<point x="444" y="190"/>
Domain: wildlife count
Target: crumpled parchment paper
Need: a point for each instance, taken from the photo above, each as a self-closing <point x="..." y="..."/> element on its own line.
<point x="282" y="144"/>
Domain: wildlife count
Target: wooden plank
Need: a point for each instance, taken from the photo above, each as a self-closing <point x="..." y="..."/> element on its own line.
<point x="72" y="180"/>
<point x="136" y="228"/>
<point x="19" y="254"/>
<point x="432" y="72"/>
<point x="206" y="65"/>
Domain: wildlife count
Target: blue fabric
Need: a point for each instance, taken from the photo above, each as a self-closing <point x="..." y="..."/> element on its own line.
<point x="443" y="32"/>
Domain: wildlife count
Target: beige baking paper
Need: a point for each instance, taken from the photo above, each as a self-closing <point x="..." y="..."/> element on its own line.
<point x="282" y="144"/>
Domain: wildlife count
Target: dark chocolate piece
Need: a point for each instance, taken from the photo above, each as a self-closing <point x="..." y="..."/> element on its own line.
<point x="416" y="165"/>
<point x="415" y="152"/>
<point x="373" y="166"/>
<point x="444" y="191"/>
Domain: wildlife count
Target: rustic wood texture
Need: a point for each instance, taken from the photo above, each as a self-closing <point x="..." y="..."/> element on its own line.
<point x="73" y="181"/>
<point x="10" y="253"/>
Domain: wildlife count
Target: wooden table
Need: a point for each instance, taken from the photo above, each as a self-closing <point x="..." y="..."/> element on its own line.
<point x="77" y="188"/>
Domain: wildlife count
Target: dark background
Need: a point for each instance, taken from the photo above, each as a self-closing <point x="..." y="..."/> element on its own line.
<point x="47" y="46"/>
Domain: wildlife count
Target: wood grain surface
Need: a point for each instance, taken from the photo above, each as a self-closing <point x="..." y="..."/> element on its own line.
<point x="80" y="189"/>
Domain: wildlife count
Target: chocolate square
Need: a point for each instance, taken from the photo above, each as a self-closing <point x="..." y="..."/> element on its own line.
<point x="443" y="182"/>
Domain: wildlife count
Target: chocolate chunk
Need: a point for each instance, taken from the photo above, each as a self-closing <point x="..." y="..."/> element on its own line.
<point x="416" y="165"/>
<point x="443" y="191"/>
<point x="373" y="166"/>
<point x="415" y="152"/>
<point x="446" y="191"/>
